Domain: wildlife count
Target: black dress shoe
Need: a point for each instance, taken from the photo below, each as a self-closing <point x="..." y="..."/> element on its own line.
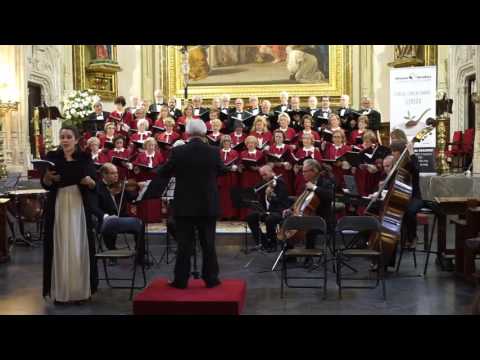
<point x="213" y="284"/>
<point x="176" y="285"/>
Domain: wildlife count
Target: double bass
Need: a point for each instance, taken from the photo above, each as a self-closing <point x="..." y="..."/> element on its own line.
<point x="399" y="194"/>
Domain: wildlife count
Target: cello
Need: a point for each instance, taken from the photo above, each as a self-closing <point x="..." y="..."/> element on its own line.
<point x="399" y="194"/>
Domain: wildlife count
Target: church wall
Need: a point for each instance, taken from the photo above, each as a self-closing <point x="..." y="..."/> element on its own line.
<point x="130" y="78"/>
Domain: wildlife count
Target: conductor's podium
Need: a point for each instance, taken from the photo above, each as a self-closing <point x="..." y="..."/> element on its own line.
<point x="160" y="299"/>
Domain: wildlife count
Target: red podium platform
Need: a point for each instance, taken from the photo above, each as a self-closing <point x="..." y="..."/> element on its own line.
<point x="160" y="299"/>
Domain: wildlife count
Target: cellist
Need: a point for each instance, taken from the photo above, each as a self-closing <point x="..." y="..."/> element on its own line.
<point x="319" y="179"/>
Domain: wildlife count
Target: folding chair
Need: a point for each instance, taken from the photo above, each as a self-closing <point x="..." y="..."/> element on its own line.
<point x="359" y="226"/>
<point x="304" y="223"/>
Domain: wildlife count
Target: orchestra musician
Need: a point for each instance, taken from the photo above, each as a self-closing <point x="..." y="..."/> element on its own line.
<point x="109" y="205"/>
<point x="274" y="200"/>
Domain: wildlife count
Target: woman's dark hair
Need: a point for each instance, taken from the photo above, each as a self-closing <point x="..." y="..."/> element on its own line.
<point x="398" y="146"/>
<point x="73" y="129"/>
<point x="309" y="117"/>
<point x="119" y="137"/>
<point x="120" y="100"/>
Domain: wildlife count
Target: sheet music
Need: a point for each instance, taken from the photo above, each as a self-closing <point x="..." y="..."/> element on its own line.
<point x="143" y="191"/>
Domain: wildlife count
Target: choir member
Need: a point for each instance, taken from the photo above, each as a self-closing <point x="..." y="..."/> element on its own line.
<point x="225" y="108"/>
<point x="238" y="136"/>
<point x="158" y="103"/>
<point x="274" y="200"/>
<point x="143" y="133"/>
<point x="96" y="120"/>
<point x="229" y="180"/>
<point x="283" y="106"/>
<point x="175" y="113"/>
<point x="215" y="135"/>
<point x="249" y="176"/>
<point x="216" y="104"/>
<point x="69" y="268"/>
<point x="356" y="136"/>
<point x="290" y="134"/>
<point x="260" y="131"/>
<point x="284" y="168"/>
<point x="253" y="106"/>
<point x="198" y="109"/>
<point x="99" y="156"/>
<point x="121" y="152"/>
<point x="121" y="117"/>
<point x="335" y="150"/>
<point x="169" y="136"/>
<point x="296" y="113"/>
<point x="324" y="114"/>
<point x="266" y="110"/>
<point x="347" y="115"/>
<point x="134" y="101"/>
<point x="239" y="114"/>
<point x="108" y="135"/>
<point x="148" y="210"/>
<point x="314" y="112"/>
<point x="164" y="113"/>
<point x="214" y="116"/>
<point x="307" y="151"/>
<point x="307" y="125"/>
<point x="182" y="120"/>
<point x="141" y="113"/>
<point x="374" y="117"/>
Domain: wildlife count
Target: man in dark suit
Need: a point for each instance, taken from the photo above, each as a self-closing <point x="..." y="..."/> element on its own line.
<point x="239" y="114"/>
<point x="195" y="166"/>
<point x="374" y="117"/>
<point x="274" y="200"/>
<point x="105" y="203"/>
<point x="96" y="120"/>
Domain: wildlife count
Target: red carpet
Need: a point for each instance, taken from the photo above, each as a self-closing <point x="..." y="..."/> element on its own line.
<point x="160" y="299"/>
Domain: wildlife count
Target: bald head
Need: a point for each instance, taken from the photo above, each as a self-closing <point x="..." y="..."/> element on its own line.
<point x="266" y="172"/>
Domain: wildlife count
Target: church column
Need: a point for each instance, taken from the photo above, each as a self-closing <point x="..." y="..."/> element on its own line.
<point x="148" y="72"/>
<point x="366" y="73"/>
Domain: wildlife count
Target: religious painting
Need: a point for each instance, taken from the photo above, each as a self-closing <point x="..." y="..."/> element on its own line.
<point x="263" y="70"/>
<point x="95" y="67"/>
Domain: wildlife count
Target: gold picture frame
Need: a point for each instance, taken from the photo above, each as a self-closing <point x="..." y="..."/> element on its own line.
<point x="339" y="79"/>
<point x="98" y="75"/>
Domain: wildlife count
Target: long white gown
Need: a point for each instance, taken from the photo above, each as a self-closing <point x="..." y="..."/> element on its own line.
<point x="71" y="261"/>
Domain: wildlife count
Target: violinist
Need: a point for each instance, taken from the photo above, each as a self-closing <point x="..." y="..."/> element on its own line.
<point x="274" y="200"/>
<point x="108" y="204"/>
<point x="320" y="180"/>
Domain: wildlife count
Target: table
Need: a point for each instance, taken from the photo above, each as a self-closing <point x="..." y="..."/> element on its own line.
<point x="449" y="185"/>
<point x="4" y="246"/>
<point x="450" y="206"/>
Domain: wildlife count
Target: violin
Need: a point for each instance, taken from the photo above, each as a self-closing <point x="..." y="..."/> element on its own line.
<point x="122" y="185"/>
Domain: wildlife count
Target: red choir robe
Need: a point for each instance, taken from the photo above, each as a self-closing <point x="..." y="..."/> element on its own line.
<point x="167" y="137"/>
<point x="101" y="157"/>
<point x="264" y="137"/>
<point x="226" y="183"/>
<point x="126" y="118"/>
<point x="215" y="137"/>
<point x="316" y="136"/>
<point x="150" y="211"/>
<point x="237" y="138"/>
<point x="250" y="178"/>
<point x="209" y="126"/>
<point x="103" y="138"/>
<point x="302" y="153"/>
<point x="352" y="140"/>
<point x="332" y="152"/>
<point x="182" y="120"/>
<point x="290" y="137"/>
<point x="159" y="123"/>
<point x="122" y="153"/>
<point x="288" y="176"/>
<point x="140" y="136"/>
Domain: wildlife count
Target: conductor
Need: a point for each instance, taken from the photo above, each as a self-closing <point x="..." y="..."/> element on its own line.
<point x="195" y="166"/>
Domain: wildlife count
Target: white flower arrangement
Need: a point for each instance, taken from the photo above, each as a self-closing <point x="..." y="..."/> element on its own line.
<point x="78" y="104"/>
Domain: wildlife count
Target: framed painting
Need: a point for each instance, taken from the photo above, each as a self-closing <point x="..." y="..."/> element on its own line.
<point x="263" y="70"/>
<point x="95" y="67"/>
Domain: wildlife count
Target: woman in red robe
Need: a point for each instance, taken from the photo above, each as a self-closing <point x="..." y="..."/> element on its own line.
<point x="164" y="114"/>
<point x="99" y="156"/>
<point x="307" y="123"/>
<point x="182" y="120"/>
<point x="249" y="175"/>
<point x="148" y="210"/>
<point x="169" y="136"/>
<point x="121" y="117"/>
<point x="213" y="115"/>
<point x="284" y="168"/>
<point x="335" y="150"/>
<point x="260" y="131"/>
<point x="238" y="136"/>
<point x="307" y="151"/>
<point x="139" y="138"/>
<point x="108" y="135"/>
<point x="121" y="152"/>
<point x="356" y="136"/>
<point x="290" y="133"/>
<point x="229" y="180"/>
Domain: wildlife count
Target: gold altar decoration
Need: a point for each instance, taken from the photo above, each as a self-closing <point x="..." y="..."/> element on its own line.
<point x="442" y="139"/>
<point x="414" y="55"/>
<point x="337" y="75"/>
<point x="5" y="108"/>
<point x="96" y="67"/>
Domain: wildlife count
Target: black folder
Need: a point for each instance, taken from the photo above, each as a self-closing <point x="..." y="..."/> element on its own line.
<point x="43" y="165"/>
<point x="108" y="145"/>
<point x="157" y="129"/>
<point x="116" y="160"/>
<point x="239" y="147"/>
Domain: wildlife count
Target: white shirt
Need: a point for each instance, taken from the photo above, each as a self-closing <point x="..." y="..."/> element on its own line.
<point x="150" y="159"/>
<point x="254" y="152"/>
<point x="225" y="153"/>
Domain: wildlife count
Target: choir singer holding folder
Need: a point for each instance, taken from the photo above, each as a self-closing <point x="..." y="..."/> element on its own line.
<point x="195" y="166"/>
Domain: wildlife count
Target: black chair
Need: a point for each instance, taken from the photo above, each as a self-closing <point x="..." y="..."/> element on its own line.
<point x="360" y="227"/>
<point x="118" y="254"/>
<point x="304" y="223"/>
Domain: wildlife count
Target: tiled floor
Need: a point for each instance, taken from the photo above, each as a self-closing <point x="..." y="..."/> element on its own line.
<point x="438" y="293"/>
